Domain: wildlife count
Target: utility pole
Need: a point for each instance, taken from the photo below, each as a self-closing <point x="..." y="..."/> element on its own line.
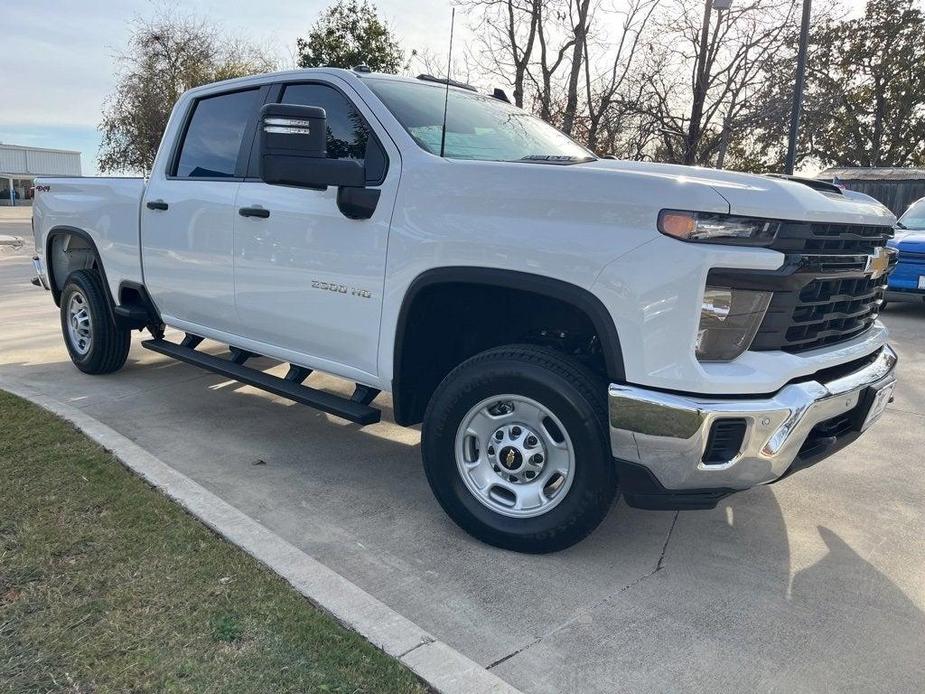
<point x="798" y="90"/>
<point x="700" y="89"/>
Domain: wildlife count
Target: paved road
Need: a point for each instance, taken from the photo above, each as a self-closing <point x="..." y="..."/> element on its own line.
<point x="816" y="584"/>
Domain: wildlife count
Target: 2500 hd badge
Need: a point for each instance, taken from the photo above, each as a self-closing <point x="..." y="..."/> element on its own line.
<point x="342" y="289"/>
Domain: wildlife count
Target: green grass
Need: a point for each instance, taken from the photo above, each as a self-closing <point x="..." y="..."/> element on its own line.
<point x="106" y="585"/>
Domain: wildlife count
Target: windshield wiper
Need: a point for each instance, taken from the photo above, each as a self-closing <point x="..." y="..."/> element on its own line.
<point x="556" y="159"/>
<point x="901" y="225"/>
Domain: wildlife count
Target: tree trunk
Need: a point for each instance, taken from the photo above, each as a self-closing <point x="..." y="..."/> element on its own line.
<point x="876" y="150"/>
<point x="523" y="61"/>
<point x="581" y="35"/>
<point x="723" y="144"/>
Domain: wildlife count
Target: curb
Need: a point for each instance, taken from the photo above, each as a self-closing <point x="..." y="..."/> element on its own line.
<point x="442" y="667"/>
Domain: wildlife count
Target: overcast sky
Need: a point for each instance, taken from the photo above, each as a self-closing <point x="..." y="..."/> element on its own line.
<point x="58" y="54"/>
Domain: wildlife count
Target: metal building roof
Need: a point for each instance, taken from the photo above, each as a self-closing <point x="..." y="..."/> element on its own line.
<point x="17" y="161"/>
<point x="872" y="173"/>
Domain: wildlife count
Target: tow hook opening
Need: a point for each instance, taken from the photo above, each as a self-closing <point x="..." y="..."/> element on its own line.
<point x="725" y="441"/>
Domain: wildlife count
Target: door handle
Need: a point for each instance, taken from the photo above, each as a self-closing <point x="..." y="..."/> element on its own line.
<point x="255" y="211"/>
<point x="156" y="205"/>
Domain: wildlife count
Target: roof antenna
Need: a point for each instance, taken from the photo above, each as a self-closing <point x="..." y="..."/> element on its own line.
<point x="446" y="98"/>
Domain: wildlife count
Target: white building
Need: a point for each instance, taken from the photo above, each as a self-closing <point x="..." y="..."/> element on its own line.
<point x="19" y="167"/>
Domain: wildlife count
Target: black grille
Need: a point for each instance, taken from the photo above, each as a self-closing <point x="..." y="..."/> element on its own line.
<point x="830" y="239"/>
<point x="824" y="294"/>
<point x="824" y="312"/>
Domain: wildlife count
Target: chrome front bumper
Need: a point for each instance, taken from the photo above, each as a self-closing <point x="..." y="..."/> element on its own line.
<point x="668" y="433"/>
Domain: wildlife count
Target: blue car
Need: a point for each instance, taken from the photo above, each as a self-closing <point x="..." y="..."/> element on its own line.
<point x="907" y="282"/>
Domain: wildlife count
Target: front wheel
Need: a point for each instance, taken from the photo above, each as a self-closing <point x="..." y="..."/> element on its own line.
<point x="515" y="448"/>
<point x="94" y="341"/>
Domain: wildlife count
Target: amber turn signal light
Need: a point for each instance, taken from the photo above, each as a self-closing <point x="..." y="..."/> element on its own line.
<point x="681" y="225"/>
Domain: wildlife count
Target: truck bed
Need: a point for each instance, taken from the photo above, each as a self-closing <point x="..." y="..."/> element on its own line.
<point x="106" y="209"/>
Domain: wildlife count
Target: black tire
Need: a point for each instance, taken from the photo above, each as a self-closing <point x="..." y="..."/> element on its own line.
<point x="108" y="346"/>
<point x="571" y="392"/>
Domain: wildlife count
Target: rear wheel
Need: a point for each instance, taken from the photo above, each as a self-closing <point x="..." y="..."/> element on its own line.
<point x="515" y="448"/>
<point x="94" y="341"/>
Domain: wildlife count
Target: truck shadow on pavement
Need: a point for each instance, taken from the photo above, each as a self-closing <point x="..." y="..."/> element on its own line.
<point x="724" y="614"/>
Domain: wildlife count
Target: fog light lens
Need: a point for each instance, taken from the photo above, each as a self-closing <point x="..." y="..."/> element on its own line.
<point x="729" y="320"/>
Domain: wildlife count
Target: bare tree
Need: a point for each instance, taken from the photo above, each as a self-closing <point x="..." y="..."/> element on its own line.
<point x="555" y="38"/>
<point x="604" y="88"/>
<point x="540" y="47"/>
<point x="579" y="10"/>
<point x="166" y="55"/>
<point x="699" y="114"/>
<point x="426" y="61"/>
<point x="640" y="78"/>
<point x="506" y="32"/>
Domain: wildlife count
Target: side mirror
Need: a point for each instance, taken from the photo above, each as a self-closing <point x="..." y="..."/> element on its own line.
<point x="293" y="150"/>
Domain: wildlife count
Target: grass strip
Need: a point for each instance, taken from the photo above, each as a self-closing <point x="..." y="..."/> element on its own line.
<point x="107" y="585"/>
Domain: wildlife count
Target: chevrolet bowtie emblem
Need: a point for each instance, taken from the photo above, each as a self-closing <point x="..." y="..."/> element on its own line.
<point x="878" y="263"/>
<point x="509" y="460"/>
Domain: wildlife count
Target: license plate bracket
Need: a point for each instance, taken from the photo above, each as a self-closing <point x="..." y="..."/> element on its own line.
<point x="880" y="397"/>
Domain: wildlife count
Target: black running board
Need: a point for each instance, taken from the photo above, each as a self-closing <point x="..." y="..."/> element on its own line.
<point x="291" y="388"/>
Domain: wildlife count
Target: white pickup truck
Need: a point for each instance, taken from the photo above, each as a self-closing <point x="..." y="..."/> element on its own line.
<point x="565" y="327"/>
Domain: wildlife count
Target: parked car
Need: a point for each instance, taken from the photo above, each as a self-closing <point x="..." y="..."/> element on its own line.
<point x="907" y="281"/>
<point x="566" y="327"/>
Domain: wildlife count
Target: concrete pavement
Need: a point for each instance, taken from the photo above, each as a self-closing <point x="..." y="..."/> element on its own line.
<point x="814" y="584"/>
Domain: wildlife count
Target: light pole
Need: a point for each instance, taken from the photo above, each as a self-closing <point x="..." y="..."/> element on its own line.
<point x="700" y="85"/>
<point x="798" y="90"/>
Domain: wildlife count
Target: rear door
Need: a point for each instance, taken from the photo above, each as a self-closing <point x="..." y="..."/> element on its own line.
<point x="308" y="279"/>
<point x="188" y="212"/>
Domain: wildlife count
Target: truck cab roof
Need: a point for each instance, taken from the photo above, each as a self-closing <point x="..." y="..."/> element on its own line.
<point x="352" y="75"/>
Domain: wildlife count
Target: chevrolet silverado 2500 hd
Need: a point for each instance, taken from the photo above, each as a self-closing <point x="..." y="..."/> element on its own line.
<point x="564" y="326"/>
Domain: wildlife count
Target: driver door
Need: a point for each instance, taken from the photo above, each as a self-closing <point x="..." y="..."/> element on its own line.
<point x="308" y="280"/>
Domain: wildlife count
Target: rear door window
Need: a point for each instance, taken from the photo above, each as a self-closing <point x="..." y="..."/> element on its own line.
<point x="213" y="137"/>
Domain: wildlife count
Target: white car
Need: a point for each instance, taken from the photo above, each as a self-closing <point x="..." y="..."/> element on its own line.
<point x="565" y="327"/>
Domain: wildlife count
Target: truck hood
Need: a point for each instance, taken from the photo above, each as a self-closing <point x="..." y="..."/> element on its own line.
<point x="762" y="196"/>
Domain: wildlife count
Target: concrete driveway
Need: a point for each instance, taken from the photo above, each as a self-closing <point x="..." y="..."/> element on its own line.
<point x="816" y="584"/>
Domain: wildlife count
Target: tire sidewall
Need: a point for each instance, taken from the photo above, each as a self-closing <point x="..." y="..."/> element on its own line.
<point x="593" y="479"/>
<point x="100" y="321"/>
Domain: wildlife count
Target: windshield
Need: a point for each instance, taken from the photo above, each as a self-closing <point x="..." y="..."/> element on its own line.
<point x="915" y="216"/>
<point x="477" y="126"/>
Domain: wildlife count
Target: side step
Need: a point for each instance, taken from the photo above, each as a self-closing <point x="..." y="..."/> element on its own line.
<point x="354" y="410"/>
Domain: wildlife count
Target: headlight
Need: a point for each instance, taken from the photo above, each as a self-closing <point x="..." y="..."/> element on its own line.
<point x="707" y="227"/>
<point x="729" y="320"/>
